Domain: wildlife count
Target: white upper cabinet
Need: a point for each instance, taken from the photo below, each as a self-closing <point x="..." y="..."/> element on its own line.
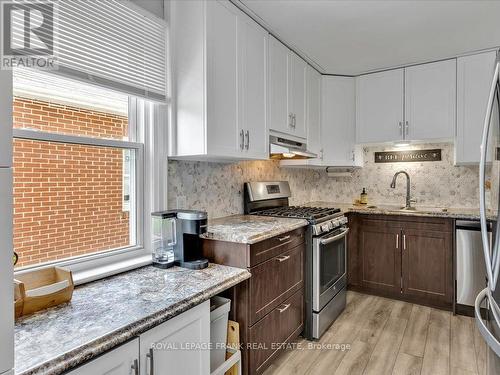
<point x="219" y="83"/>
<point x="252" y="43"/>
<point x="297" y="94"/>
<point x="313" y="111"/>
<point x="279" y="117"/>
<point x="417" y="103"/>
<point x="379" y="106"/>
<point x="430" y="101"/>
<point x="287" y="90"/>
<point x="123" y="360"/>
<point x="474" y="76"/>
<point x="222" y="78"/>
<point x="336" y="137"/>
<point x="338" y="121"/>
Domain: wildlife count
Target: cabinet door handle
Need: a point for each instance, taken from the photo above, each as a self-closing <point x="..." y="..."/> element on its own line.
<point x="247" y="136"/>
<point x="397" y="241"/>
<point x="407" y="129"/>
<point x="294" y="120"/>
<point x="284" y="308"/>
<point x="404" y="241"/>
<point x="242" y="139"/>
<point x="135" y="367"/>
<point x="401" y="128"/>
<point x="284" y="238"/>
<point x="290" y="120"/>
<point x="353" y="156"/>
<point x="283" y="258"/>
<point x="151" y="362"/>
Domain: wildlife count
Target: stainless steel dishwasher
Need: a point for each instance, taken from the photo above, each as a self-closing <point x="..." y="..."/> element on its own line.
<point x="471" y="270"/>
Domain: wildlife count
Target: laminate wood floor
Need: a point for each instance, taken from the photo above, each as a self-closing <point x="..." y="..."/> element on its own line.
<point x="380" y="336"/>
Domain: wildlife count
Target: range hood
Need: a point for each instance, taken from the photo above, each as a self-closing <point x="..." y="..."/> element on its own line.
<point x="286" y="149"/>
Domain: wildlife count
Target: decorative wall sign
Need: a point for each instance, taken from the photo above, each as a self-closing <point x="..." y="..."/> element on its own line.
<point x="407" y="156"/>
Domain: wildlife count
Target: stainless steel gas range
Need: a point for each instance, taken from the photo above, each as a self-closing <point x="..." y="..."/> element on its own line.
<point x="326" y="245"/>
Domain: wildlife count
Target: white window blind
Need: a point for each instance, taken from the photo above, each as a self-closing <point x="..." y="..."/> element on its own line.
<point x="110" y="43"/>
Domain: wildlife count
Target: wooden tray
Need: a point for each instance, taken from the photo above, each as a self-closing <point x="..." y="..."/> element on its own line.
<point x="18" y="301"/>
<point x="44" y="288"/>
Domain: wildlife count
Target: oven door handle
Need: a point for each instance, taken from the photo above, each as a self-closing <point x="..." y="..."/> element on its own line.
<point x="328" y="240"/>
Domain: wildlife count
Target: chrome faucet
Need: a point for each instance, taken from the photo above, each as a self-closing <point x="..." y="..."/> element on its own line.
<point x="409" y="201"/>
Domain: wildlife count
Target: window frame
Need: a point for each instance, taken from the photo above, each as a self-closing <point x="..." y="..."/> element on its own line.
<point x="97" y="265"/>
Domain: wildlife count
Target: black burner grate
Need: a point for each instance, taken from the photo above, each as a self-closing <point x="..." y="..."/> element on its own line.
<point x="309" y="213"/>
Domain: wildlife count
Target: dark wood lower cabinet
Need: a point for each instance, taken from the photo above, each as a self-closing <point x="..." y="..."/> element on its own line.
<point x="403" y="257"/>
<point x="427" y="265"/>
<point x="380" y="257"/>
<point x="269" y="306"/>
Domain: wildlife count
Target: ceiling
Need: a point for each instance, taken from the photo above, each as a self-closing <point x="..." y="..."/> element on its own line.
<point x="357" y="36"/>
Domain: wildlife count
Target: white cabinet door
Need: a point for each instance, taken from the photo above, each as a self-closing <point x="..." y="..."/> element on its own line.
<point x="379" y="107"/>
<point x="338" y="127"/>
<point x="6" y="288"/>
<point x="430" y="101"/>
<point x="6" y="118"/>
<point x="252" y="44"/>
<point x="297" y="94"/>
<point x="222" y="79"/>
<point x="474" y="75"/>
<point x="279" y="115"/>
<point x="120" y="361"/>
<point x="176" y="346"/>
<point x="313" y="111"/>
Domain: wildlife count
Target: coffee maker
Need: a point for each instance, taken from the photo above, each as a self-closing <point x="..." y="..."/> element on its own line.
<point x="180" y="238"/>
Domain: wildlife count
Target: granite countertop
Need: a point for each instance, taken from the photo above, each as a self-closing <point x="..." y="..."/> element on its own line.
<point x="446" y="212"/>
<point x="250" y="229"/>
<point x="108" y="312"/>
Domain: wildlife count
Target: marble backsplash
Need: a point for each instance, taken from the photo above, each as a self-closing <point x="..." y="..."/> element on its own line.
<point x="218" y="188"/>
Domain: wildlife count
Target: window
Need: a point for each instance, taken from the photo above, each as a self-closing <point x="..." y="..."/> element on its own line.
<point x="77" y="158"/>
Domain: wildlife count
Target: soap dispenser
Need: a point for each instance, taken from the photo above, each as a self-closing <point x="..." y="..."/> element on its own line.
<point x="363" y="198"/>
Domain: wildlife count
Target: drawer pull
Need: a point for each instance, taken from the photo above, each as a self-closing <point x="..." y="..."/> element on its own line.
<point x="283" y="258"/>
<point x="284" y="308"/>
<point x="284" y="238"/>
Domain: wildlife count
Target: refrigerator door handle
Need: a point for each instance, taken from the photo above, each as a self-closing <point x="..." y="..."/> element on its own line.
<point x="490" y="267"/>
<point x="490" y="339"/>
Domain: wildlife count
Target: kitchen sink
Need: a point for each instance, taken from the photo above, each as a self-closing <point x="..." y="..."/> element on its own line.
<point x="423" y="209"/>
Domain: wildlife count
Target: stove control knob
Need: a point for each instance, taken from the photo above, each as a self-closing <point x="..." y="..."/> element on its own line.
<point x="325" y="228"/>
<point x="335" y="223"/>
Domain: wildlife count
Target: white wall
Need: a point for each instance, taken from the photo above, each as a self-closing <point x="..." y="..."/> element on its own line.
<point x="154" y="6"/>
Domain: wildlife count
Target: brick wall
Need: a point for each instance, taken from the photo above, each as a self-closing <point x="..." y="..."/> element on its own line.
<point x="67" y="198"/>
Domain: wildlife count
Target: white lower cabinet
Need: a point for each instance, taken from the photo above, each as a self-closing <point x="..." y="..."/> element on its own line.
<point x="123" y="360"/>
<point x="176" y="347"/>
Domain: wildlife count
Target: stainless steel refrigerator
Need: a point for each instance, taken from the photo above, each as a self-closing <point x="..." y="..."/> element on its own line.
<point x="489" y="298"/>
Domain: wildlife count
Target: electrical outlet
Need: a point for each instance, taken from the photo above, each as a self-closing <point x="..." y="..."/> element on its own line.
<point x="181" y="201"/>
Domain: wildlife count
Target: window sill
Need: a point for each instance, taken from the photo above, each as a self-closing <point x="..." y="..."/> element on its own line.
<point x="87" y="275"/>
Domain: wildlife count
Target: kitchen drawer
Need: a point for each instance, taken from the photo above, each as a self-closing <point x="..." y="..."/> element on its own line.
<point x="409" y="222"/>
<point x="267" y="249"/>
<point x="281" y="325"/>
<point x="274" y="281"/>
